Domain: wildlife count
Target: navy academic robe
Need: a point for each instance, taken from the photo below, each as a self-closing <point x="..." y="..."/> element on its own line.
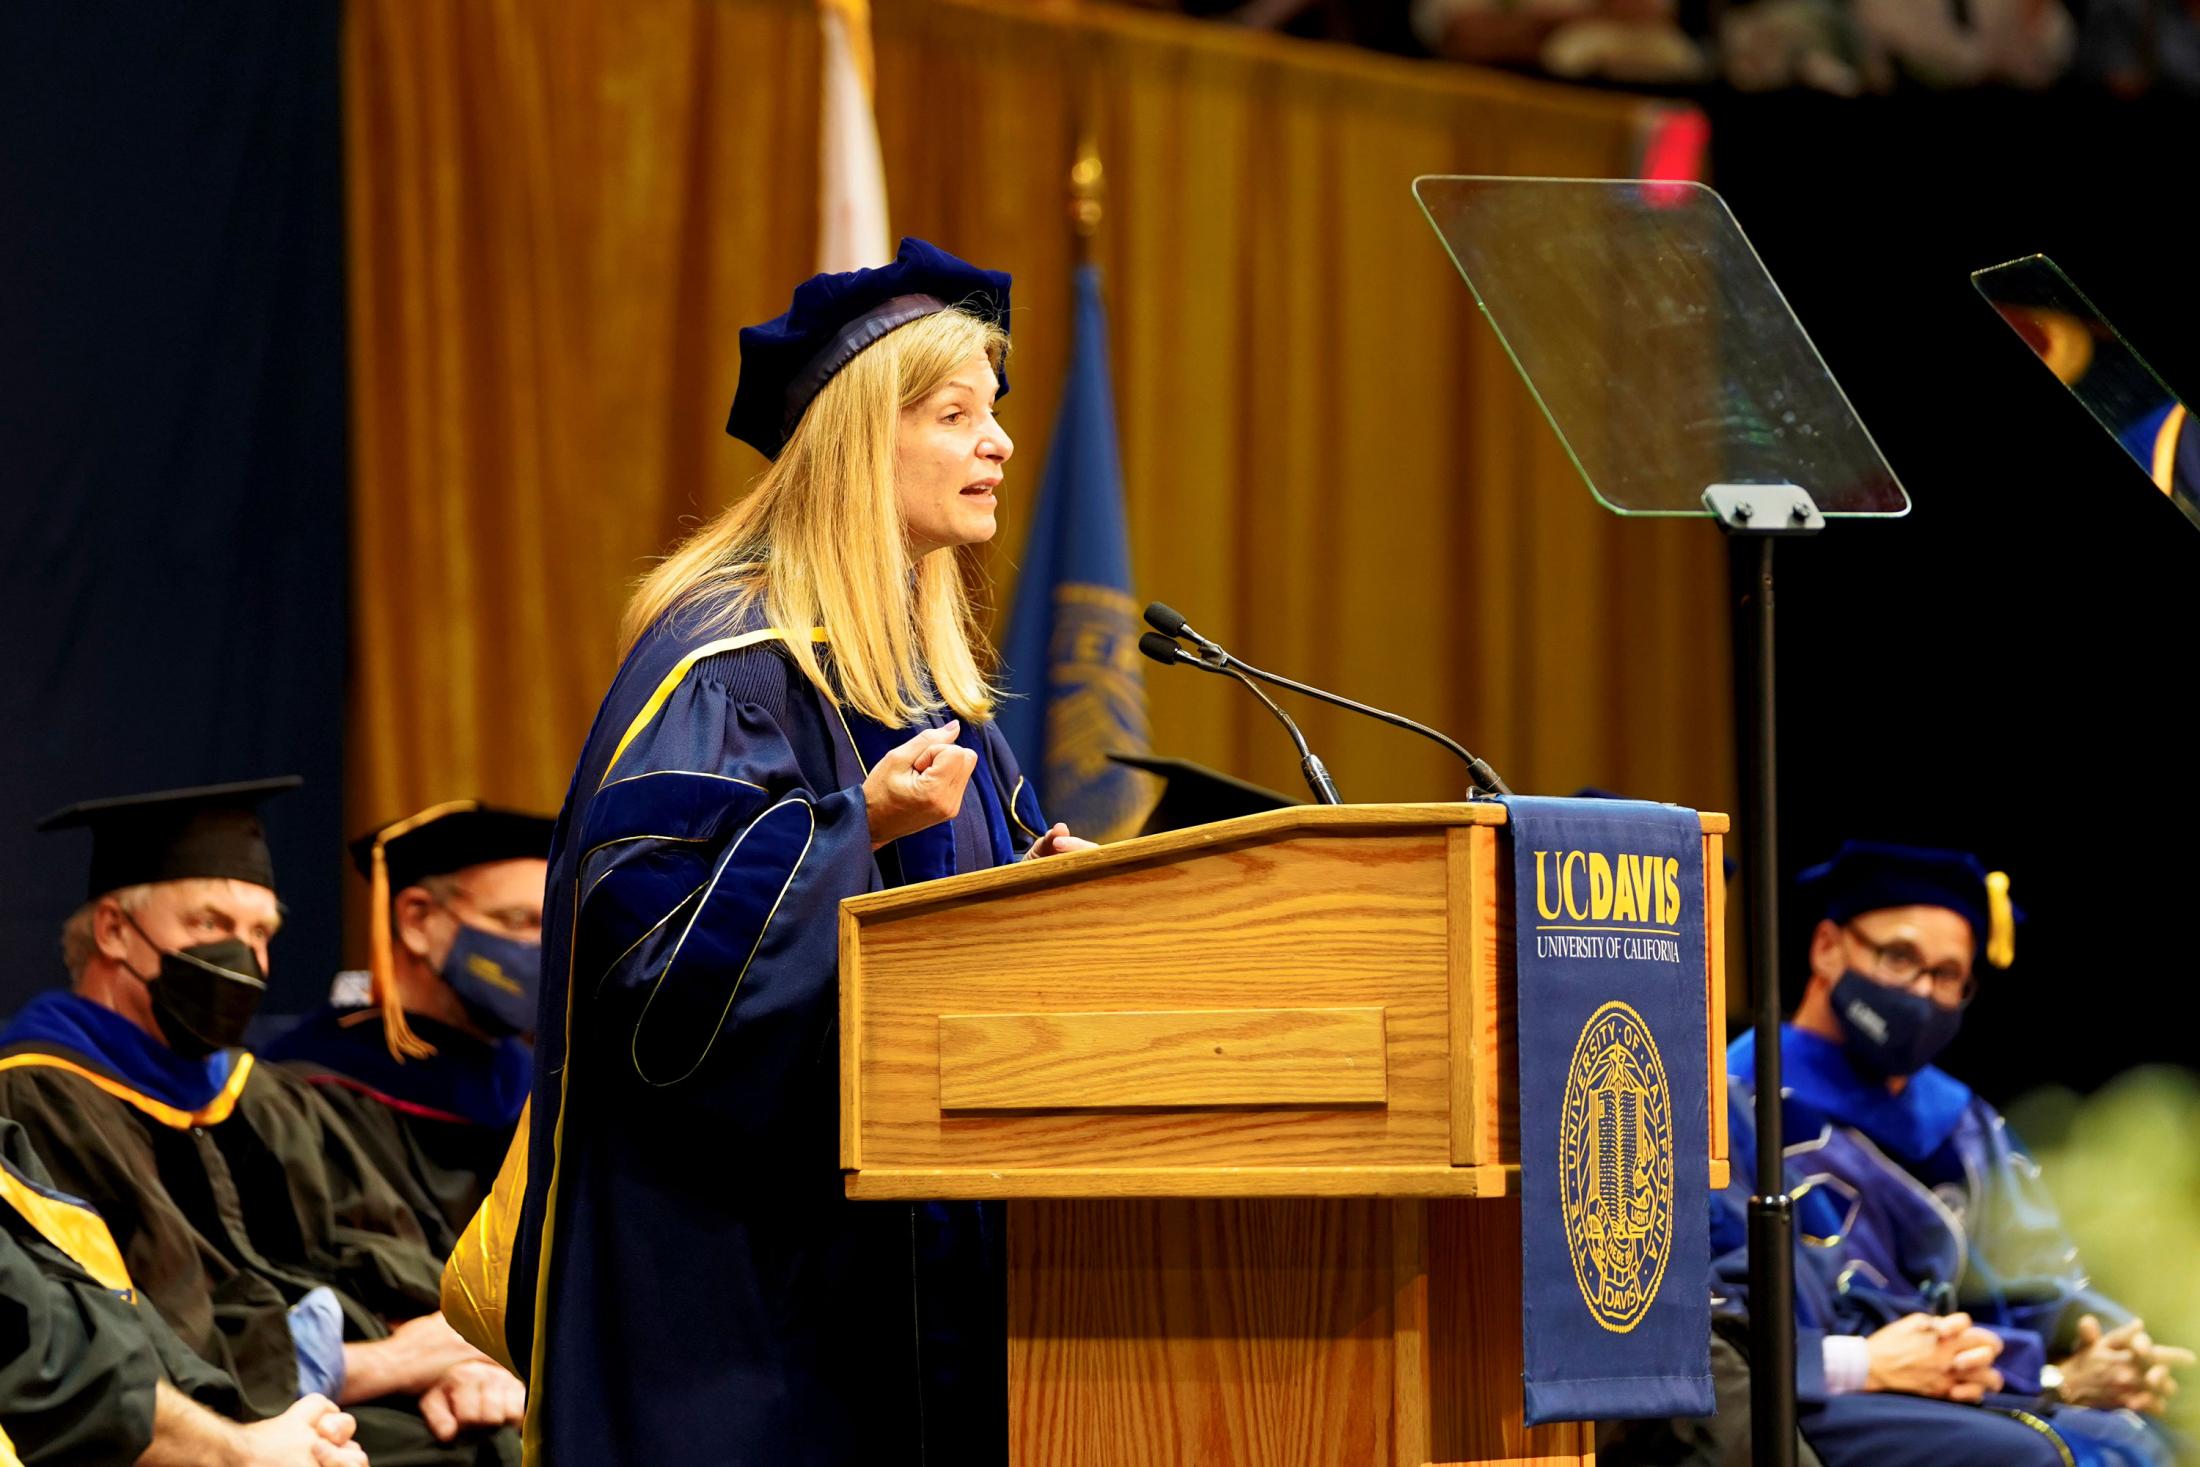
<point x="706" y="1292"/>
<point x="1914" y="1203"/>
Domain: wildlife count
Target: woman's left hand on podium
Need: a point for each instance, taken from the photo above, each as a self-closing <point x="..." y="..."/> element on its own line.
<point x="1058" y="842"/>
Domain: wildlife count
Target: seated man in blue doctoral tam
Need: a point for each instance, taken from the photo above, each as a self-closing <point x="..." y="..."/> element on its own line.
<point x="1941" y="1312"/>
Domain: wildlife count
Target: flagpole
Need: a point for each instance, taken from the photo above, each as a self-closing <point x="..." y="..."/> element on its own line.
<point x="852" y="232"/>
<point x="1070" y="647"/>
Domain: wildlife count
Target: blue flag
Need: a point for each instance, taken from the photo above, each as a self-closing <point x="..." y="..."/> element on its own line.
<point x="1072" y="647"/>
<point x="1615" y="1255"/>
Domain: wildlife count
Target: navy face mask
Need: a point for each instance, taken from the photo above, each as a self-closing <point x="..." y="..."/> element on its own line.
<point x="1890" y="1031"/>
<point x="496" y="977"/>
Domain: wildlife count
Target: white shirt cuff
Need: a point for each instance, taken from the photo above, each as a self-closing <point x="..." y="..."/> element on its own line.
<point x="1848" y="1364"/>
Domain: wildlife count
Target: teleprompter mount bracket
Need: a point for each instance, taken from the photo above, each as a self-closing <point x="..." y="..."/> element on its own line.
<point x="1763" y="509"/>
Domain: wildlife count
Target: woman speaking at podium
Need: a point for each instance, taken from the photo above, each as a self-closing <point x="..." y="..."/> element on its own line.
<point x="801" y="716"/>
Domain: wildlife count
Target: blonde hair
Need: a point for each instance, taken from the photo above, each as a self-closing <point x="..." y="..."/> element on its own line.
<point x="819" y="542"/>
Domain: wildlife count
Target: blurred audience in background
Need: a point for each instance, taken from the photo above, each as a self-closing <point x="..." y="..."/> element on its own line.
<point x="1845" y="47"/>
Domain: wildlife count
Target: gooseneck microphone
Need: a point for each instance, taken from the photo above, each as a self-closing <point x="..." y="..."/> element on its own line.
<point x="1171" y="624"/>
<point x="1162" y="649"/>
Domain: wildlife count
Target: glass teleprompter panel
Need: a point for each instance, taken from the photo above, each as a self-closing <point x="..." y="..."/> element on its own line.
<point x="2089" y="356"/>
<point x="1656" y="342"/>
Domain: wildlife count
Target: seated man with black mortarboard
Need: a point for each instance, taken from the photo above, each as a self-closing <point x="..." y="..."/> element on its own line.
<point x="1941" y="1311"/>
<point x="90" y="1374"/>
<point x="250" y="1220"/>
<point x="430" y="1075"/>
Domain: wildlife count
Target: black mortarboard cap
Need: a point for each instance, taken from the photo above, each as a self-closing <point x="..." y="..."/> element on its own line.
<point x="1869" y="876"/>
<point x="432" y="842"/>
<point x="450" y="837"/>
<point x="1193" y="794"/>
<point x="787" y="360"/>
<point x="174" y="835"/>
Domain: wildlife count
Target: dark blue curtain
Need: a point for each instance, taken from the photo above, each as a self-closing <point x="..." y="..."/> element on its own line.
<point x="172" y="459"/>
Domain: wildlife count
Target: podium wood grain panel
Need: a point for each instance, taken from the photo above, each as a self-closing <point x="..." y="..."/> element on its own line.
<point x="1201" y="1334"/>
<point x="888" y="1184"/>
<point x="1409" y="1362"/>
<point x="1714" y="946"/>
<point x="1250" y="1333"/>
<point x="1467" y="895"/>
<point x="1170" y="1057"/>
<point x="1475" y="1402"/>
<point x="1485" y="1117"/>
<point x="1348" y="919"/>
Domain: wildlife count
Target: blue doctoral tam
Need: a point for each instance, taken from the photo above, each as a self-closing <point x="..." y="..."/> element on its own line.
<point x="788" y="360"/>
<point x="1870" y="876"/>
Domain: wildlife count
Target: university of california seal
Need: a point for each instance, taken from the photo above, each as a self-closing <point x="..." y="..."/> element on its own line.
<point x="1615" y="1166"/>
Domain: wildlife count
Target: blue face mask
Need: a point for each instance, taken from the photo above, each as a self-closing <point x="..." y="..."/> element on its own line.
<point x="496" y="977"/>
<point x="1890" y="1031"/>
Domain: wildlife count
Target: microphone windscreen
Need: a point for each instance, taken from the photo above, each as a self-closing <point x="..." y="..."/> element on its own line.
<point x="1158" y="647"/>
<point x="1164" y="620"/>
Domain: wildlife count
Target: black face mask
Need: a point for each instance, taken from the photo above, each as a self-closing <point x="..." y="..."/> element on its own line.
<point x="1890" y="1031"/>
<point x="205" y="995"/>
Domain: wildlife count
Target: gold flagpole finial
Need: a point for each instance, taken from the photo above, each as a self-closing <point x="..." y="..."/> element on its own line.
<point x="1087" y="188"/>
<point x="1087" y="195"/>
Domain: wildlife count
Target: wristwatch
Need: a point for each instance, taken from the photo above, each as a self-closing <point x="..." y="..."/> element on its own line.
<point x="2051" y="1382"/>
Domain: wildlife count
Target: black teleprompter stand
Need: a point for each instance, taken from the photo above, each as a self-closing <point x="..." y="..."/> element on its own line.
<point x="1756" y="517"/>
<point x="1657" y="344"/>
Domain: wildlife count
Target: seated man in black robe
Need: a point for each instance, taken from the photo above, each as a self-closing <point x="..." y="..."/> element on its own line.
<point x="246" y="1215"/>
<point x="89" y="1374"/>
<point x="430" y="1074"/>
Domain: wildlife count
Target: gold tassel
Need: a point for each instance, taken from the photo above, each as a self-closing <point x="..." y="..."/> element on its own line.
<point x="381" y="957"/>
<point x="2001" y="921"/>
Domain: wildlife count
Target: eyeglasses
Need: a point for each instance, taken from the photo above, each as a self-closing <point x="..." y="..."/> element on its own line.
<point x="1900" y="965"/>
<point x="524" y="923"/>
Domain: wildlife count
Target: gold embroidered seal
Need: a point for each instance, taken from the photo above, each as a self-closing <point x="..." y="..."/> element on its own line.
<point x="1615" y="1166"/>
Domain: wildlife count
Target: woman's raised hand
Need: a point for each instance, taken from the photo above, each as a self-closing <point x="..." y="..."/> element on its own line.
<point x="917" y="784"/>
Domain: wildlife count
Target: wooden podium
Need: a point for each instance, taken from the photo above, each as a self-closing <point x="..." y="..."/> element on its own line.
<point x="1249" y="1091"/>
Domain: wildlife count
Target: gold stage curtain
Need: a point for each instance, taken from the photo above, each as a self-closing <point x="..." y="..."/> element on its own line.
<point x="560" y="215"/>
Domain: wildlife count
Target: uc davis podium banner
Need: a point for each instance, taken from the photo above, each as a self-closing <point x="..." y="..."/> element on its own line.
<point x="1615" y="1236"/>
